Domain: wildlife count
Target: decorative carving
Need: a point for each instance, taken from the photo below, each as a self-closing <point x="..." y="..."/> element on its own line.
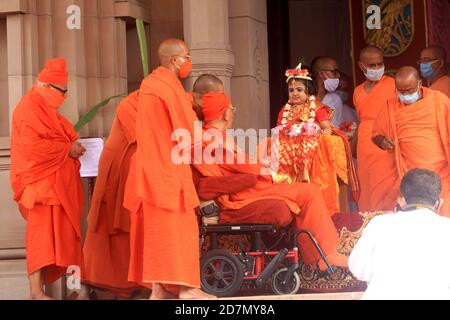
<point x="395" y="31"/>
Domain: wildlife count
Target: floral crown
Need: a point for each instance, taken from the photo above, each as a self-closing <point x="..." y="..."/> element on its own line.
<point x="297" y="73"/>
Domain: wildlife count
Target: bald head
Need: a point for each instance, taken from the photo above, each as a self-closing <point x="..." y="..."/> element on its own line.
<point x="434" y="52"/>
<point x="207" y="83"/>
<point x="407" y="80"/>
<point x="407" y="73"/>
<point x="323" y="63"/>
<point x="433" y="63"/>
<point x="369" y="52"/>
<point x="371" y="63"/>
<point x="171" y="48"/>
<point x="204" y="84"/>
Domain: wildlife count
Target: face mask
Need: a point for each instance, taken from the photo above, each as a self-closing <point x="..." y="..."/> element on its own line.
<point x="331" y="84"/>
<point x="185" y="69"/>
<point x="53" y="98"/>
<point x="427" y="70"/>
<point x="343" y="95"/>
<point x="374" y="74"/>
<point x="409" y="98"/>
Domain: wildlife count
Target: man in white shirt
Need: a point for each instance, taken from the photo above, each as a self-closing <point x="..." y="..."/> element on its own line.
<point x="348" y="113"/>
<point x="406" y="255"/>
<point x="326" y="76"/>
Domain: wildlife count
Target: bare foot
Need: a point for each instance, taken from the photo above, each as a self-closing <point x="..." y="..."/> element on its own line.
<point x="40" y="296"/>
<point x="159" y="293"/>
<point x="335" y="259"/>
<point x="195" y="294"/>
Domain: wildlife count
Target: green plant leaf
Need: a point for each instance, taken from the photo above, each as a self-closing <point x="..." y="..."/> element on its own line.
<point x="143" y="44"/>
<point x="84" y="120"/>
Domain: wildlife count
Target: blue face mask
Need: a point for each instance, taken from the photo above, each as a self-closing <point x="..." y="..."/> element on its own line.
<point x="409" y="98"/>
<point x="427" y="70"/>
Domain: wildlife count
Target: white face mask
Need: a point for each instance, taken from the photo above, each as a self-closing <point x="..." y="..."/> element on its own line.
<point x="331" y="84"/>
<point x="374" y="74"/>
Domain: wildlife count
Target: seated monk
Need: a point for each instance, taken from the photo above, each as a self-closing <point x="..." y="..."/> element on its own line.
<point x="308" y="153"/>
<point x="304" y="200"/>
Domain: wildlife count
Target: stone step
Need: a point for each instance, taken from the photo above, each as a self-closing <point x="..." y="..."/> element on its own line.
<point x="318" y="296"/>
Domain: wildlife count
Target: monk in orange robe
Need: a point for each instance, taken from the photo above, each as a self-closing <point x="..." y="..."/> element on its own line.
<point x="304" y="199"/>
<point x="376" y="168"/>
<point x="415" y="129"/>
<point x="164" y="234"/>
<point x="433" y="65"/>
<point x="107" y="244"/>
<point x="45" y="177"/>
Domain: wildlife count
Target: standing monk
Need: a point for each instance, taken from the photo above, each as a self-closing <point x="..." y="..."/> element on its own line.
<point x="107" y="245"/>
<point x="415" y="129"/>
<point x="164" y="230"/>
<point x="433" y="63"/>
<point x="376" y="168"/>
<point x="45" y="177"/>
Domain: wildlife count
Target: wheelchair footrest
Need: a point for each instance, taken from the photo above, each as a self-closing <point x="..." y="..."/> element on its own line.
<point x="236" y="228"/>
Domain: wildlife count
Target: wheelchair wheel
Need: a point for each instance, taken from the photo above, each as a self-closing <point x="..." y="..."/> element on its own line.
<point x="290" y="287"/>
<point x="221" y="273"/>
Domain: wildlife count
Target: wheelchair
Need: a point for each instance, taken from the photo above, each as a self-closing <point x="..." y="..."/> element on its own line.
<point x="273" y="256"/>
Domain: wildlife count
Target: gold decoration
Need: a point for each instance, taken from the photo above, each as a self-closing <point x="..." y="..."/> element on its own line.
<point x="397" y="26"/>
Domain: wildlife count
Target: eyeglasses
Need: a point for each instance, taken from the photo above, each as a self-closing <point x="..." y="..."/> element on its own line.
<point x="336" y="72"/>
<point x="188" y="56"/>
<point x="410" y="90"/>
<point x="62" y="91"/>
<point x="426" y="60"/>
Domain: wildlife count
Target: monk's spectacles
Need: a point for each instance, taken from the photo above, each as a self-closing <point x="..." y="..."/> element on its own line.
<point x="427" y="60"/>
<point x="62" y="91"/>
<point x="185" y="57"/>
<point x="336" y="72"/>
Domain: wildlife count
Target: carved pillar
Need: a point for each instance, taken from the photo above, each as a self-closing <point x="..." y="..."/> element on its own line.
<point x="206" y="30"/>
<point x="250" y="81"/>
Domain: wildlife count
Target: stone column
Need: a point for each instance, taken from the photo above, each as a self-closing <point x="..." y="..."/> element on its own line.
<point x="113" y="62"/>
<point x="250" y="81"/>
<point x="206" y="30"/>
<point x="23" y="58"/>
<point x="69" y="43"/>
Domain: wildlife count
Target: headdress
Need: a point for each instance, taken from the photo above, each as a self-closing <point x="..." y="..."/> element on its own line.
<point x="54" y="72"/>
<point x="297" y="73"/>
<point x="214" y="104"/>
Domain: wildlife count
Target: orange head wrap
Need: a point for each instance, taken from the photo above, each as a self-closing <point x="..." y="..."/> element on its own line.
<point x="214" y="105"/>
<point x="54" y="72"/>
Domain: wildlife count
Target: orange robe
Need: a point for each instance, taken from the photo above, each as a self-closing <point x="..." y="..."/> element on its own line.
<point x="160" y="194"/>
<point x="304" y="199"/>
<point x="107" y="245"/>
<point x="47" y="187"/>
<point x="421" y="132"/>
<point x="443" y="85"/>
<point x="376" y="168"/>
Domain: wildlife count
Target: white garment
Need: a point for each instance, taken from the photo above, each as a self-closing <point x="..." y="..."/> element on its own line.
<point x="333" y="101"/>
<point x="405" y="255"/>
